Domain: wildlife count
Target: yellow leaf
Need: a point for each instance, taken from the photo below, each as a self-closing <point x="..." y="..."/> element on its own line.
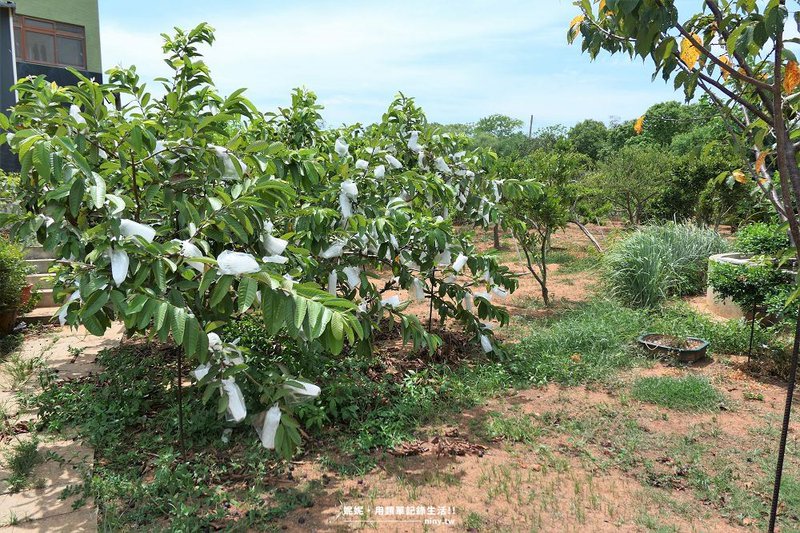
<point x="762" y="181"/>
<point x="689" y="52"/>
<point x="602" y="5"/>
<point x="726" y="60"/>
<point x="639" y="126"/>
<point x="573" y="26"/>
<point x="739" y="176"/>
<point x="760" y="160"/>
<point x="791" y="77"/>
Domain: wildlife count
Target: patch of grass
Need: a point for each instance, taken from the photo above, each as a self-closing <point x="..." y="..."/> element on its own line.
<point x="512" y="428"/>
<point x="578" y="265"/>
<point x="619" y="431"/>
<point x="21" y="461"/>
<point x="686" y="393"/>
<point x="560" y="257"/>
<point x="730" y="337"/>
<point x="580" y="346"/>
<point x="652" y="523"/>
<point x="5" y="420"/>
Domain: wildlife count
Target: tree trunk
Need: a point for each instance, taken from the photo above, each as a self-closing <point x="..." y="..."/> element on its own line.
<point x="589" y="235"/>
<point x="497" y="244"/>
<point x="543" y="267"/>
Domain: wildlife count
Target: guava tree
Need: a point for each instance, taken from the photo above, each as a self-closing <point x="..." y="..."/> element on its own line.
<point x="376" y="210"/>
<point x="177" y="214"/>
<point x="156" y="212"/>
<point x="743" y="56"/>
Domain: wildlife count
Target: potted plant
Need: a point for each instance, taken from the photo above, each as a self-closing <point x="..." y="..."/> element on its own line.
<point x="15" y="291"/>
<point x="684" y="349"/>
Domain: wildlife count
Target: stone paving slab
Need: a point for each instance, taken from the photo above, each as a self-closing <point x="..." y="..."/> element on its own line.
<point x="64" y="463"/>
<point x="80" y="520"/>
<point x="34" y="504"/>
<point x="72" y="354"/>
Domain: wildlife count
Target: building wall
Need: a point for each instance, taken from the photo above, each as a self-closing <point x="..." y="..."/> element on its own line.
<point x="81" y="12"/>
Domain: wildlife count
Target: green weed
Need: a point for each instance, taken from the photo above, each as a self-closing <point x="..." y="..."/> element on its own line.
<point x="21" y="461"/>
<point x="687" y="393"/>
<point x="512" y="428"/>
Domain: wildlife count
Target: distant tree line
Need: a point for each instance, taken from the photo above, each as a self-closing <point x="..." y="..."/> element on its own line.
<point x="675" y="162"/>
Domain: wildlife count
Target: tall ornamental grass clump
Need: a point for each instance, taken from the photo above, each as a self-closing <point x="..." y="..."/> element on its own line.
<point x="658" y="262"/>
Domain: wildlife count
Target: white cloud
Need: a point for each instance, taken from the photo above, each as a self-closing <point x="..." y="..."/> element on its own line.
<point x="461" y="60"/>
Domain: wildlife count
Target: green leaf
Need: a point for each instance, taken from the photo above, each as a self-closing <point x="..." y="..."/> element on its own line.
<point x="191" y="336"/>
<point x="94" y="303"/>
<point x="299" y="311"/>
<point x="208" y="278"/>
<point x="221" y="290"/>
<point x="337" y="326"/>
<point x="222" y="403"/>
<point x="76" y="196"/>
<point x="246" y="294"/>
<point x="160" y="315"/>
<point x="178" y="324"/>
<point x="41" y="159"/>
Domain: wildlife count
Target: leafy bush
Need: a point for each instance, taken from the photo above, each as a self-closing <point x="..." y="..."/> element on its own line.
<point x="763" y="281"/>
<point x="658" y="262"/>
<point x="9" y="183"/>
<point x="13" y="272"/>
<point x="759" y="283"/>
<point x="761" y="238"/>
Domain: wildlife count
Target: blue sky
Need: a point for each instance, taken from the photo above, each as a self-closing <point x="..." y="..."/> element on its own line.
<point x="461" y="60"/>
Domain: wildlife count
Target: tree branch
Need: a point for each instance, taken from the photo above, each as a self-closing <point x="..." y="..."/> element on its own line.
<point x="717" y="61"/>
<point x="730" y="94"/>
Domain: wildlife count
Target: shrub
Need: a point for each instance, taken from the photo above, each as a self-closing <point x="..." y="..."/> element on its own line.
<point x="761" y="238"/>
<point x="760" y="283"/>
<point x="763" y="282"/>
<point x="13" y="270"/>
<point x="9" y="184"/>
<point x="657" y="262"/>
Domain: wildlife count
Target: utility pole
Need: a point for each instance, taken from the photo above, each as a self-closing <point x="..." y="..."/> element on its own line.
<point x="530" y="129"/>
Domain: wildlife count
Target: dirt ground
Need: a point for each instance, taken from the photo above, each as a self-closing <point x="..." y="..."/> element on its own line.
<point x="583" y="459"/>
